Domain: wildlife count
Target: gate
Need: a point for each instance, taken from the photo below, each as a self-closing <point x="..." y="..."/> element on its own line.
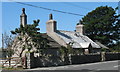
<point x="13" y="62"/>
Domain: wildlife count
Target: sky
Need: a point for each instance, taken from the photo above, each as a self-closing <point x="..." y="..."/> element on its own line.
<point x="64" y="0"/>
<point x="11" y="12"/>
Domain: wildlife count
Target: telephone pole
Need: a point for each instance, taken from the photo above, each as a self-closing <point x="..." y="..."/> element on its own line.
<point x="2" y="46"/>
<point x="2" y="49"/>
<point x="2" y="42"/>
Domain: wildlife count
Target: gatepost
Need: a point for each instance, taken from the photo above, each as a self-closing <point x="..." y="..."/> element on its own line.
<point x="102" y="56"/>
<point x="28" y="65"/>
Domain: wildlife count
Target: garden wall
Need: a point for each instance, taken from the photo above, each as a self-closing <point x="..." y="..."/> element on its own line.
<point x="48" y="61"/>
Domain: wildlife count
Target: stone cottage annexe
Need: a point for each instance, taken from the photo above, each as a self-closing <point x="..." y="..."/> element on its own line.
<point x="60" y="38"/>
<point x="76" y="39"/>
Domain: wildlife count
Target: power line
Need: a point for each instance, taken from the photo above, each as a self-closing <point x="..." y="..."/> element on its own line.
<point x="47" y="8"/>
<point x="68" y="3"/>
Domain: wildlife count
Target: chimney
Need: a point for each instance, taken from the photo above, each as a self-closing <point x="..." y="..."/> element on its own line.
<point x="51" y="25"/>
<point x="23" y="18"/>
<point x="80" y="27"/>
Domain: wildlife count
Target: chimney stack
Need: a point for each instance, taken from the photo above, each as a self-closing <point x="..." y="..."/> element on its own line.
<point x="80" y="27"/>
<point x="23" y="18"/>
<point x="51" y="25"/>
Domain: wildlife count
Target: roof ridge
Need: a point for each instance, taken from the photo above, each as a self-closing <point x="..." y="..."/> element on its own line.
<point x="65" y="31"/>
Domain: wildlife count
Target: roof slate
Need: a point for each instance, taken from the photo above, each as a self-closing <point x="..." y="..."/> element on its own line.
<point x="78" y="40"/>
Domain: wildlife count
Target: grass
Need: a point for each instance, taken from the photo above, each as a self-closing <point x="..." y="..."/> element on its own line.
<point x="11" y="68"/>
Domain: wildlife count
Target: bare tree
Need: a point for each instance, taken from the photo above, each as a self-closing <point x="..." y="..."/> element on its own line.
<point x="8" y="40"/>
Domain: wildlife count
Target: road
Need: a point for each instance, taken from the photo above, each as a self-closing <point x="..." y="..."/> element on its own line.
<point x="107" y="66"/>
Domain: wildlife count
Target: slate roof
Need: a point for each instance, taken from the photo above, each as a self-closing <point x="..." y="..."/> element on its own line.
<point x="78" y="40"/>
<point x="52" y="43"/>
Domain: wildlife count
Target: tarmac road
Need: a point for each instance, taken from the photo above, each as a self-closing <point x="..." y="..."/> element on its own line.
<point x="107" y="66"/>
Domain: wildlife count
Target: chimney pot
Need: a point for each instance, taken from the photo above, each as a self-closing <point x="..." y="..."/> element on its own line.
<point x="50" y="17"/>
<point x="80" y="27"/>
<point x="23" y="18"/>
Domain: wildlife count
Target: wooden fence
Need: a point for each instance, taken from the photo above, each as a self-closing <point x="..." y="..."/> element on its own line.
<point x="13" y="62"/>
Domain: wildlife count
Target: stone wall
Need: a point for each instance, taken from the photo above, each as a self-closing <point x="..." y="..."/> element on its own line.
<point x="41" y="61"/>
<point x="112" y="56"/>
<point x="80" y="59"/>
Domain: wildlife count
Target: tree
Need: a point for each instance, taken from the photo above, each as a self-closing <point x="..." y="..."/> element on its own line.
<point x="116" y="47"/>
<point x="102" y="24"/>
<point x="8" y="41"/>
<point x="29" y="38"/>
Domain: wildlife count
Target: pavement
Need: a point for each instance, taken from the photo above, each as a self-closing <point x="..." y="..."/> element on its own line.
<point x="107" y="66"/>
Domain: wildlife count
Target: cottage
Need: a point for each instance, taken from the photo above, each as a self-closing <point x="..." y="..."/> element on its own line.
<point x="57" y="38"/>
<point x="77" y="39"/>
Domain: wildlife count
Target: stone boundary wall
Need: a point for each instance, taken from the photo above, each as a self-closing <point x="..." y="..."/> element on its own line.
<point x="80" y="59"/>
<point x="112" y="56"/>
<point x="76" y="59"/>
